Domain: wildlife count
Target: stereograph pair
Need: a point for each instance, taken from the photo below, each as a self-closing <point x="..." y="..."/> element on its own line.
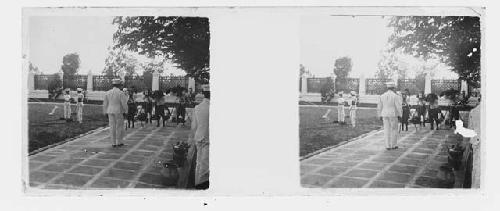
<point x="118" y="102"/>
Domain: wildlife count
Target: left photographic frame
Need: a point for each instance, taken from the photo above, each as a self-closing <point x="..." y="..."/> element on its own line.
<point x="115" y="101"/>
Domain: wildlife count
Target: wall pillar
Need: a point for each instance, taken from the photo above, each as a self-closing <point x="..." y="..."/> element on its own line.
<point x="191" y="84"/>
<point x="464" y="87"/>
<point x="31" y="81"/>
<point x="362" y="85"/>
<point x="427" y="88"/>
<point x="90" y="81"/>
<point x="61" y="76"/>
<point x="156" y="81"/>
<point x="333" y="77"/>
<point x="395" y="78"/>
<point x="304" y="85"/>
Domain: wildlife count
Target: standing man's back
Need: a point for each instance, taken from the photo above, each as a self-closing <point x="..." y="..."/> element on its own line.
<point x="115" y="107"/>
<point x="390" y="109"/>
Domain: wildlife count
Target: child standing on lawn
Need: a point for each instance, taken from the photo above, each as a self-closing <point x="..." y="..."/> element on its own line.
<point x="340" y="108"/>
<point x="79" y="105"/>
<point x="67" y="105"/>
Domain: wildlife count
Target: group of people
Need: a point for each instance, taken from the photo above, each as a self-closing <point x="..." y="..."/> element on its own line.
<point x="68" y="100"/>
<point x="158" y="105"/>
<point x="394" y="107"/>
<point x="116" y="107"/>
<point x="349" y="101"/>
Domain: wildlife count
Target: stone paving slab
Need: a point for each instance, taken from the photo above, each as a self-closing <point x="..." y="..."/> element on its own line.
<point x="365" y="163"/>
<point x="89" y="162"/>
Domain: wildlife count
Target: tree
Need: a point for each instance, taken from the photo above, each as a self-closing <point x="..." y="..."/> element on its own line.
<point x="303" y="71"/>
<point x="118" y="59"/>
<point x="184" y="40"/>
<point x="153" y="65"/>
<point x="454" y="40"/>
<point x="71" y="63"/>
<point x="389" y="65"/>
<point x="342" y="67"/>
<point x="34" y="69"/>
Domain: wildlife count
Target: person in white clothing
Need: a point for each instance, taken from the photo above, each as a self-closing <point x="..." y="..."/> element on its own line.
<point x="79" y="105"/>
<point x="115" y="107"/>
<point x="340" y="108"/>
<point x="67" y="105"/>
<point x="199" y="132"/>
<point x="390" y="110"/>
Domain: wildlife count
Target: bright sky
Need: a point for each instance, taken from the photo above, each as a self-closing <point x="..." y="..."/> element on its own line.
<point x="52" y="37"/>
<point x="363" y="38"/>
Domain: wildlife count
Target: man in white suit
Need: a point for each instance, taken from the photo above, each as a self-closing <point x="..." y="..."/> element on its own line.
<point x="199" y="129"/>
<point x="390" y="110"/>
<point x="115" y="107"/>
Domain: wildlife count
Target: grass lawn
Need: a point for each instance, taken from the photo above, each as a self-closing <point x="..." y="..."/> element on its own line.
<point x="316" y="133"/>
<point x="45" y="129"/>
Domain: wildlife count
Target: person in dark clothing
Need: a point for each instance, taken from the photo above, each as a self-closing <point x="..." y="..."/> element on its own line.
<point x="132" y="110"/>
<point x="406" y="112"/>
<point x="421" y="109"/>
<point x="148" y="105"/>
<point x="181" y="108"/>
<point x="433" y="110"/>
<point x="159" y="102"/>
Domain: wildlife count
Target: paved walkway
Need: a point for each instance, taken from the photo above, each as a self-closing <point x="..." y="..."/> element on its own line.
<point x="365" y="163"/>
<point x="90" y="161"/>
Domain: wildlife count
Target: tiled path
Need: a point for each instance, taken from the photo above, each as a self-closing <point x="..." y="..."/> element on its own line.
<point x="365" y="163"/>
<point x="90" y="161"/>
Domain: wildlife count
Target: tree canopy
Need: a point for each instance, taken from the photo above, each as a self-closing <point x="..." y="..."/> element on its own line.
<point x="119" y="59"/>
<point x="71" y="64"/>
<point x="454" y="40"/>
<point x="184" y="40"/>
<point x="303" y="71"/>
<point x="342" y="67"/>
<point x="389" y="65"/>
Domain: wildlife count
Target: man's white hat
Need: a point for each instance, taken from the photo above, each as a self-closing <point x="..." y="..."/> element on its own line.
<point x="125" y="89"/>
<point x="390" y="84"/>
<point x="79" y="89"/>
<point x="353" y="92"/>
<point x="205" y="87"/>
<point x="116" y="81"/>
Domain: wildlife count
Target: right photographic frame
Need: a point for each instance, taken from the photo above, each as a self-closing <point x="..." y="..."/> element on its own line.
<point x="390" y="101"/>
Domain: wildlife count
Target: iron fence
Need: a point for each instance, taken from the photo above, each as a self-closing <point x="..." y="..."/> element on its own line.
<point x="413" y="85"/>
<point x="347" y="85"/>
<point x="375" y="86"/>
<point x="438" y="86"/>
<point x="42" y="81"/>
<point x="137" y="83"/>
<point x="167" y="82"/>
<point x="102" y="82"/>
<point x="75" y="81"/>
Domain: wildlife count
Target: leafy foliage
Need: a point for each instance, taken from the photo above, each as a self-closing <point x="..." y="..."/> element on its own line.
<point x="34" y="69"/>
<point x="153" y="65"/>
<point x="118" y="59"/>
<point x="71" y="64"/>
<point x="343" y="67"/>
<point x="184" y="40"/>
<point x="454" y="40"/>
<point x="54" y="87"/>
<point x="303" y="71"/>
<point x="390" y="65"/>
